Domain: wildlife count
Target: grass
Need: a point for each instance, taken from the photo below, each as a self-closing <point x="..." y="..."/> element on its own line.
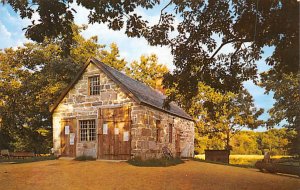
<point x="27" y="160"/>
<point x="244" y="160"/>
<point x="155" y="162"/>
<point x="225" y="164"/>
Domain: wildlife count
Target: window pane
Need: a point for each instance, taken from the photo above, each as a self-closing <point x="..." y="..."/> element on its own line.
<point x="94" y="83"/>
<point x="87" y="130"/>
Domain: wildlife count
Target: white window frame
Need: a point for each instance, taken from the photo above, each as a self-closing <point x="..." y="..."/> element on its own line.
<point x="94" y="85"/>
<point x="89" y="132"/>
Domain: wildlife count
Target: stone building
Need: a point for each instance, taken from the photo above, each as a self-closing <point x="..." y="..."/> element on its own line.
<point x="105" y="114"/>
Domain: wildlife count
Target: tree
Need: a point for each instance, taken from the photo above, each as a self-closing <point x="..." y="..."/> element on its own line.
<point x="148" y="71"/>
<point x="32" y="77"/>
<point x="207" y="142"/>
<point x="112" y="58"/>
<point x="223" y="115"/>
<point x="286" y="109"/>
<point x="245" y="25"/>
<point x="245" y="142"/>
<point x="275" y="141"/>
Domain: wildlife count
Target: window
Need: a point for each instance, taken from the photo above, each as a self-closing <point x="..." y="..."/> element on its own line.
<point x="158" y="130"/>
<point x="170" y="132"/>
<point x="94" y="85"/>
<point x="146" y="119"/>
<point x="134" y="119"/>
<point x="87" y="130"/>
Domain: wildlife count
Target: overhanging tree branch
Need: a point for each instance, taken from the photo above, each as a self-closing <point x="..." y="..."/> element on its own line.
<point x="228" y="42"/>
<point x="161" y="11"/>
<point x="237" y="49"/>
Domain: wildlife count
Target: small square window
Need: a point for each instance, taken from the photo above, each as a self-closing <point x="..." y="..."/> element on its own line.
<point x="94" y="85"/>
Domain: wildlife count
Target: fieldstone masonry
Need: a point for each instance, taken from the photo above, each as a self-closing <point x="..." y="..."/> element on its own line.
<point x="144" y="134"/>
<point x="145" y="142"/>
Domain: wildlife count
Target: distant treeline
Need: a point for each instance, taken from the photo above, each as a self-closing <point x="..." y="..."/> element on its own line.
<point x="275" y="141"/>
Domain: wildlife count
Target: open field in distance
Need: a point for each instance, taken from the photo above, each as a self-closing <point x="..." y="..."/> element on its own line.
<point x="246" y="160"/>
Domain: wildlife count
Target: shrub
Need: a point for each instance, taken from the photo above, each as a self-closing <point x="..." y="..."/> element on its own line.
<point x="84" y="158"/>
<point x="162" y="162"/>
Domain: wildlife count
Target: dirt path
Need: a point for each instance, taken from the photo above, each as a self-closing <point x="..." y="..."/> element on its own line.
<point x="65" y="174"/>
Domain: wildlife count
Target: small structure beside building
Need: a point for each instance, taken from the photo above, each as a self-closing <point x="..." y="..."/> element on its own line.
<point x="107" y="115"/>
<point x="217" y="156"/>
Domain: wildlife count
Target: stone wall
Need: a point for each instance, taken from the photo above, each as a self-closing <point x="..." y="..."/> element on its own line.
<point x="80" y="105"/>
<point x="144" y="143"/>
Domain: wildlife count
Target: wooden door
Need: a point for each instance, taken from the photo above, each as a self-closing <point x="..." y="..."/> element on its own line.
<point x="114" y="133"/>
<point x="68" y="137"/>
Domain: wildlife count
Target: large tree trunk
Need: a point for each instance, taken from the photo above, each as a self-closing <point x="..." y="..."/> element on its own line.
<point x="228" y="140"/>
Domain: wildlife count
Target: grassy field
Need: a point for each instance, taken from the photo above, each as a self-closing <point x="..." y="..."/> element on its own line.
<point x="243" y="160"/>
<point x="70" y="174"/>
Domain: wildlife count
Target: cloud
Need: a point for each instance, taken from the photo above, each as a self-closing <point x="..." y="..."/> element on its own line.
<point x="11" y="26"/>
<point x="152" y="19"/>
<point x="130" y="48"/>
<point x="4" y="32"/>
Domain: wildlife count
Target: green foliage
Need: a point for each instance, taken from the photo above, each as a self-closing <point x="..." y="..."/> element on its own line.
<point x="112" y="58"/>
<point x="275" y="141"/>
<point x="203" y="142"/>
<point x="287" y="106"/>
<point x="85" y="158"/>
<point x="155" y="162"/>
<point x="148" y="71"/>
<point x="286" y="94"/>
<point x="246" y="25"/>
<point x="32" y="77"/>
<point x="220" y="115"/>
<point x="245" y="142"/>
<point x="5" y="139"/>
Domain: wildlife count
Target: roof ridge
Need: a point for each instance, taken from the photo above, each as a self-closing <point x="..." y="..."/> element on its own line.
<point x="144" y="99"/>
<point x="130" y="77"/>
<point x="137" y="90"/>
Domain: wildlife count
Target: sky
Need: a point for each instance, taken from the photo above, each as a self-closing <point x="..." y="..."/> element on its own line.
<point x="12" y="35"/>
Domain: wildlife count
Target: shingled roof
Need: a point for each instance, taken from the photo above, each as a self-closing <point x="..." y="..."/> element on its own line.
<point x="135" y="89"/>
